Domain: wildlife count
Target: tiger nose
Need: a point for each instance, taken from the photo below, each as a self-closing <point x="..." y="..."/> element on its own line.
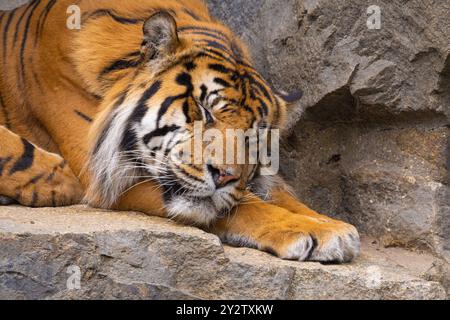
<point x="221" y="177"/>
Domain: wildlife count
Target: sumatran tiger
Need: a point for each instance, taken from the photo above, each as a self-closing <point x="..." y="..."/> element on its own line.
<point x="94" y="114"/>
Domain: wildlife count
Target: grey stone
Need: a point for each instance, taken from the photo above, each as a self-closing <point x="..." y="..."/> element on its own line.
<point x="11" y="4"/>
<point x="133" y="256"/>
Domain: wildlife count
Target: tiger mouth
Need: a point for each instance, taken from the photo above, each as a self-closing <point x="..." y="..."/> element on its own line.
<point x="193" y="208"/>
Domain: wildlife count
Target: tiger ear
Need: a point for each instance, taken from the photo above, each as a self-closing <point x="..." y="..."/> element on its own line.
<point x="160" y="35"/>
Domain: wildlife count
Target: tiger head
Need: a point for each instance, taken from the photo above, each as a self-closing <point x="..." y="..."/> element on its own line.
<point x="187" y="79"/>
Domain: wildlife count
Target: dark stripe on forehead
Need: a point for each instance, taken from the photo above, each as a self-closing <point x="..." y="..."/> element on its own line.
<point x="207" y="34"/>
<point x="222" y="82"/>
<point x="215" y="45"/>
<point x="220" y="68"/>
<point x="219" y="56"/>
<point x="206" y="31"/>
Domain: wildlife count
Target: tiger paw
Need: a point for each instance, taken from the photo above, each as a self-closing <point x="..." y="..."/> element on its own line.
<point x="56" y="187"/>
<point x="312" y="239"/>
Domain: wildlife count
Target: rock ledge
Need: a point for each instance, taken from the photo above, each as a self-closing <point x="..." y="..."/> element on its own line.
<point x="133" y="256"/>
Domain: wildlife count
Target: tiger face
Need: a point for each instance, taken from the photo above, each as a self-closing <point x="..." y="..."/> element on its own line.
<point x="193" y="81"/>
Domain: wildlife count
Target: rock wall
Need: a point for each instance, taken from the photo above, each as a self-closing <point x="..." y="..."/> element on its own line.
<point x="369" y="142"/>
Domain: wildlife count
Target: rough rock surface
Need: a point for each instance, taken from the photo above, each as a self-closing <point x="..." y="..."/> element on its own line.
<point x="133" y="256"/>
<point x="369" y="142"/>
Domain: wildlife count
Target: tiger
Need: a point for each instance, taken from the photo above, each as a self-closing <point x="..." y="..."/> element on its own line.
<point x="93" y="115"/>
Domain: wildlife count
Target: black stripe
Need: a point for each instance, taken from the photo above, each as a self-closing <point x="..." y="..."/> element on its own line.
<point x="264" y="107"/>
<point x="24" y="41"/>
<point x="206" y="31"/>
<point x="259" y="86"/>
<point x="204" y="90"/>
<point x="34" y="180"/>
<point x="42" y="18"/>
<point x="5" y="33"/>
<point x="215" y="45"/>
<point x="190" y="66"/>
<point x="160" y="132"/>
<point x="141" y="107"/>
<point x="181" y="170"/>
<point x="3" y="163"/>
<point x="16" y="33"/>
<point x="207" y="34"/>
<point x="222" y="82"/>
<point x="26" y="160"/>
<point x="166" y="105"/>
<point x="183" y="79"/>
<point x="121" y="64"/>
<point x="129" y="138"/>
<point x="83" y="116"/>
<point x="110" y="13"/>
<point x="186" y="110"/>
<point x="220" y="68"/>
<point x="219" y="56"/>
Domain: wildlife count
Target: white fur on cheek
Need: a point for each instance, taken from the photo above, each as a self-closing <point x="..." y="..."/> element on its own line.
<point x="110" y="175"/>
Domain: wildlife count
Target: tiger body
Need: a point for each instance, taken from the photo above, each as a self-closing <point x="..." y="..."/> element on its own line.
<point x="86" y="114"/>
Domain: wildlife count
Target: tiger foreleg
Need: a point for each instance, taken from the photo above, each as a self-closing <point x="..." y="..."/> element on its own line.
<point x="34" y="177"/>
<point x="268" y="227"/>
